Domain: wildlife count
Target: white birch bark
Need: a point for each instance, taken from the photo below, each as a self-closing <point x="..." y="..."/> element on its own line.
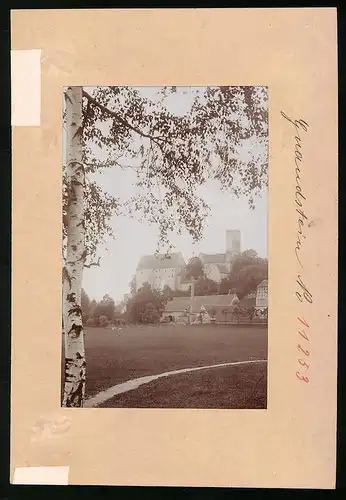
<point x="74" y="387"/>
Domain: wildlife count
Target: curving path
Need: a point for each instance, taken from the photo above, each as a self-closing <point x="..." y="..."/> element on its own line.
<point x="130" y="385"/>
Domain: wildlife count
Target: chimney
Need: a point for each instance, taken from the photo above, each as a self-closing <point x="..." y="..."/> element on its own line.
<point x="192" y="290"/>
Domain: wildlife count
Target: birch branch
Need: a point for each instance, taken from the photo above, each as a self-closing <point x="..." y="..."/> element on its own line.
<point x="93" y="264"/>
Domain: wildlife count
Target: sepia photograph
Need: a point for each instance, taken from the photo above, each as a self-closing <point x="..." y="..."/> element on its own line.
<point x="164" y="247"/>
<point x="175" y="244"/>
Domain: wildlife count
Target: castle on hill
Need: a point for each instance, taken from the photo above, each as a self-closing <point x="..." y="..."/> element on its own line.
<point x="169" y="270"/>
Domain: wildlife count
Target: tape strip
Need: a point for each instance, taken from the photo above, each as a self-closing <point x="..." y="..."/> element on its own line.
<point x="41" y="475"/>
<point x="26" y="87"/>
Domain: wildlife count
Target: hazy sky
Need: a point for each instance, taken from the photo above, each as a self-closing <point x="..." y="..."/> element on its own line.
<point x="119" y="257"/>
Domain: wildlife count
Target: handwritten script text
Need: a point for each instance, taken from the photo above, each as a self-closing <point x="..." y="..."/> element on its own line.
<point x="302" y="293"/>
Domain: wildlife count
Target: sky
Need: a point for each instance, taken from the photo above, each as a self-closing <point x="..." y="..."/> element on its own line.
<point x="120" y="256"/>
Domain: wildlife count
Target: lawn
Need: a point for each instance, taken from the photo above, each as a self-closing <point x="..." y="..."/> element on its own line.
<point x="115" y="356"/>
<point x="231" y="387"/>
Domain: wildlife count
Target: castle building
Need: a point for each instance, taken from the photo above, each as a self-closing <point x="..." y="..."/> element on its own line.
<point x="218" y="266"/>
<point x="169" y="270"/>
<point x="161" y="270"/>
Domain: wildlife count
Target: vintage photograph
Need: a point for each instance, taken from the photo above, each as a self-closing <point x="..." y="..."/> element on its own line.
<point x="164" y="247"/>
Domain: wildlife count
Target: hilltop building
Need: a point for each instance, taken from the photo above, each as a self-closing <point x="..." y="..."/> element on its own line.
<point x="162" y="269"/>
<point x="218" y="266"/>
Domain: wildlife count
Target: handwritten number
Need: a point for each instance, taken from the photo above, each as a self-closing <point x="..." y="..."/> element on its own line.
<point x="304" y="322"/>
<point x="303" y="363"/>
<point x="303" y="334"/>
<point x="302" y="292"/>
<point x="305" y="351"/>
<point x="301" y="377"/>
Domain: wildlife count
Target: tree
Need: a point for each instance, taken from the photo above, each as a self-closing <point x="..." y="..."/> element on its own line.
<point x="242" y="260"/>
<point x="85" y="304"/>
<point x="225" y="286"/>
<point x="231" y="284"/>
<point x="250" y="277"/>
<point x="250" y="254"/>
<point x="149" y="314"/>
<point x="206" y="286"/>
<point x="133" y="285"/>
<point x="247" y="271"/>
<point x="213" y="313"/>
<point x="146" y="305"/>
<point x="171" y="154"/>
<point x="169" y="294"/>
<point x="75" y="365"/>
<point x="250" y="312"/>
<point x="92" y="309"/>
<point x="103" y="321"/>
<point x="194" y="269"/>
<point x="105" y="307"/>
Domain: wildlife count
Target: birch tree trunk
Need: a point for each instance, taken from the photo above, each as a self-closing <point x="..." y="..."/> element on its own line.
<point x="74" y="388"/>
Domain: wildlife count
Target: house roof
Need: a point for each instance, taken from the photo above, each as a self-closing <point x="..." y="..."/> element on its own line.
<point x="180" y="304"/>
<point x="213" y="258"/>
<point x="263" y="283"/>
<point x="161" y="261"/>
<point x="219" y="308"/>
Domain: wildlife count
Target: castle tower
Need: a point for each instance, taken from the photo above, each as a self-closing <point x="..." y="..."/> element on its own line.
<point x="233" y="244"/>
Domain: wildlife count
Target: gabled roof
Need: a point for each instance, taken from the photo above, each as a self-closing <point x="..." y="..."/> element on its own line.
<point x="181" y="304"/>
<point x="213" y="258"/>
<point x="219" y="308"/>
<point x="161" y="261"/>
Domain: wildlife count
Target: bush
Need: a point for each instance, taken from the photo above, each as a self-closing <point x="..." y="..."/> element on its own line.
<point x="103" y="321"/>
<point x="150" y="314"/>
<point x="250" y="313"/>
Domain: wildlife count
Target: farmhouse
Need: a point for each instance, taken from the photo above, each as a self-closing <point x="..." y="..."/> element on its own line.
<point x="187" y="308"/>
<point x="220" y="313"/>
<point x="262" y="295"/>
